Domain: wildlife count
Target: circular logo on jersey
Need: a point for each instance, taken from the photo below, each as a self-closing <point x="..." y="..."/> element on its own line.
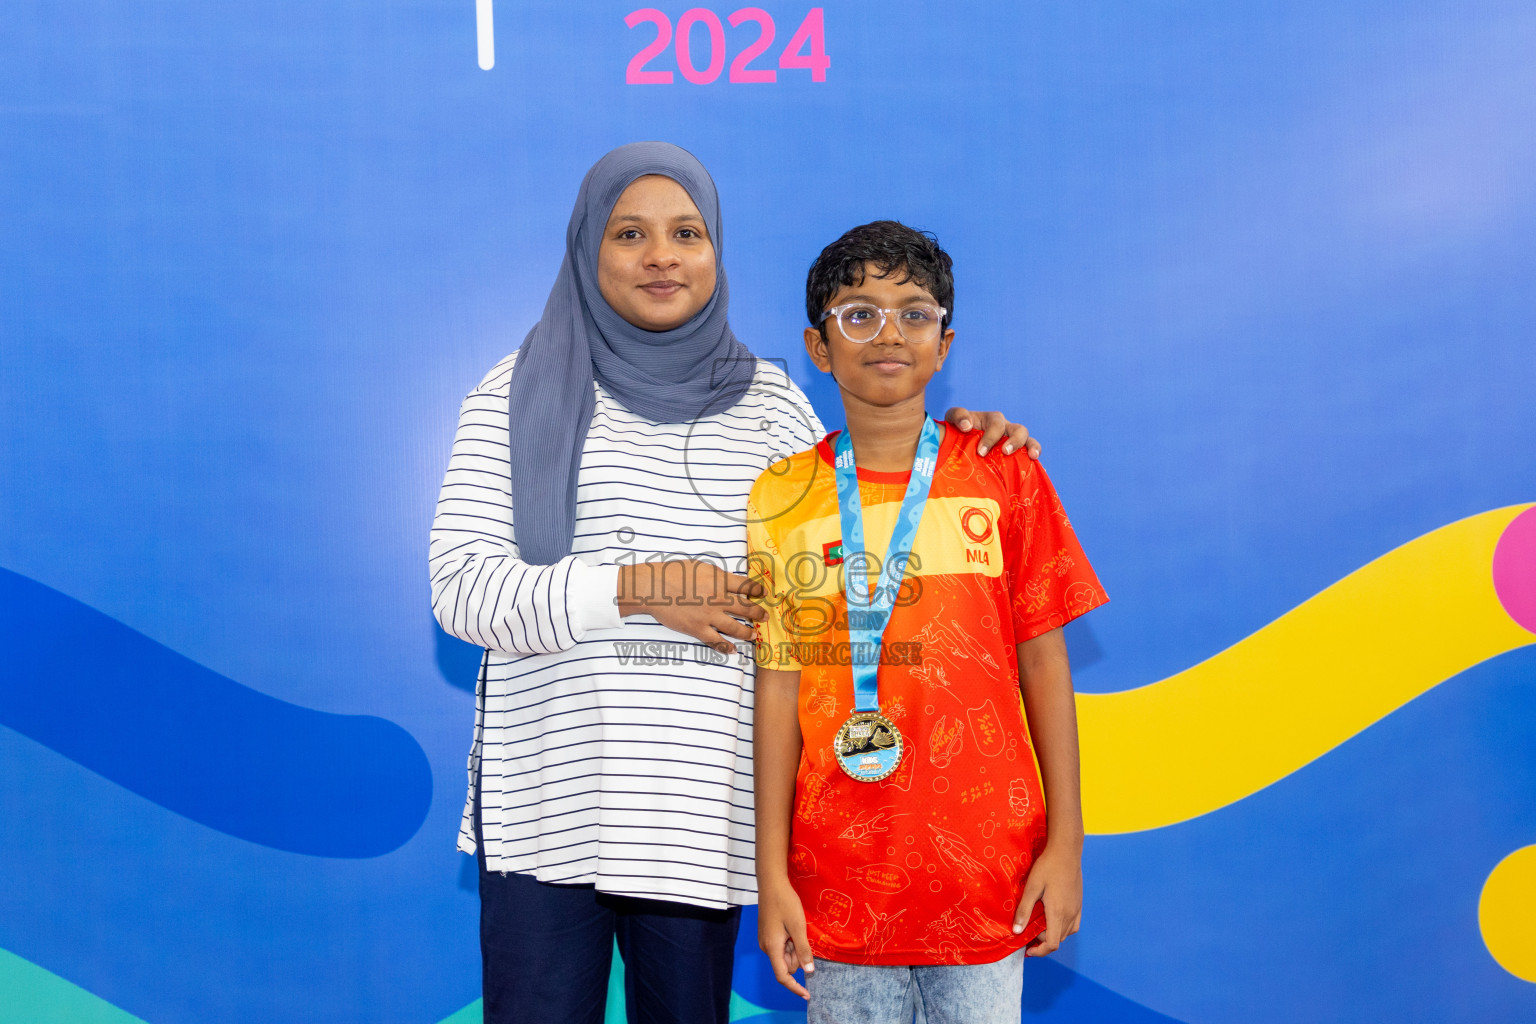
<point x="868" y="746"/>
<point x="976" y="522"/>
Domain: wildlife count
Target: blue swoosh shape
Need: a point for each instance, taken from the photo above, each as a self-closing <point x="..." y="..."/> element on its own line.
<point x="198" y="743"/>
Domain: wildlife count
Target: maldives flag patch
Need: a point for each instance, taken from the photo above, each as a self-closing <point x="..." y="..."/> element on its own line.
<point x="832" y="552"/>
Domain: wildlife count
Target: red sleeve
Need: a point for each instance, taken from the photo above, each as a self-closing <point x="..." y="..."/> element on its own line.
<point x="1050" y="582"/>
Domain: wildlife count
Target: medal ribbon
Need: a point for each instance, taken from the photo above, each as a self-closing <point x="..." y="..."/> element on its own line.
<point x="869" y="613"/>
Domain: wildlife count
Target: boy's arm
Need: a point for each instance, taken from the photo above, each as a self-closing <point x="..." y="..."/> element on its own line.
<point x="1056" y="878"/>
<point x="776" y="748"/>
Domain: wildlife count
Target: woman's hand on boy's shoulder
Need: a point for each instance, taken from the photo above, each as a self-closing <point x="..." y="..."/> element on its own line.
<point x="1055" y="880"/>
<point x="993" y="425"/>
<point x="781" y="934"/>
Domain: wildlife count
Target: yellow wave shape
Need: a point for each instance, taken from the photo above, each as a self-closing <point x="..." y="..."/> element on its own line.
<point x="1289" y="693"/>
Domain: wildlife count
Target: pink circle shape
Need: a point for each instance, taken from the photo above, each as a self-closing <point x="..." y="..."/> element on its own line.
<point x="1514" y="569"/>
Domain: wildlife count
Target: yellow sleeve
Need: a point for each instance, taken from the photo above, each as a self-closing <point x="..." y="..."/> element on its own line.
<point x="775" y="646"/>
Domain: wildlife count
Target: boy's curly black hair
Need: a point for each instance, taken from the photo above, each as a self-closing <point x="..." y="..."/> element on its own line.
<point x="891" y="248"/>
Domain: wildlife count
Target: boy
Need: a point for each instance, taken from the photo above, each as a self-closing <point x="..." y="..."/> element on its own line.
<point x="915" y="590"/>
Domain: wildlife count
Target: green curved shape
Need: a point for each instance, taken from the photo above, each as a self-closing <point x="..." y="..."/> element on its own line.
<point x="30" y="994"/>
<point x="471" y="1014"/>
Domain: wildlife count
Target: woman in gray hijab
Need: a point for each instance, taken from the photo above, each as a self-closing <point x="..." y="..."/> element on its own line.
<point x="610" y="795"/>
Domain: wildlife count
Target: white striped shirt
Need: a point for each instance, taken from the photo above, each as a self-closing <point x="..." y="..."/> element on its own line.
<point x="604" y="758"/>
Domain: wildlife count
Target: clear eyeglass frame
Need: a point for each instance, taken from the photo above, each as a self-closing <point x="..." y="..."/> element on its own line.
<point x="924" y="332"/>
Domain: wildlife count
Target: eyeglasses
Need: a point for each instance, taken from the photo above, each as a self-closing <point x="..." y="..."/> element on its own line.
<point x="862" y="322"/>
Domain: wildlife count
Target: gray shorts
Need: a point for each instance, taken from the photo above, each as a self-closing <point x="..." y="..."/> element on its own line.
<point x="970" y="994"/>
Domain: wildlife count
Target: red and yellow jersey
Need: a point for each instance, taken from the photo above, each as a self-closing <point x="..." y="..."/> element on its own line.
<point x="924" y="866"/>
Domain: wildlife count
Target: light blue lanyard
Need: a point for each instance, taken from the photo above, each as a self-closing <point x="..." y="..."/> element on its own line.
<point x="869" y="613"/>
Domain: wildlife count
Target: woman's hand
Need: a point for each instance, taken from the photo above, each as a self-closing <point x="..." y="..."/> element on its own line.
<point x="781" y="934"/>
<point x="993" y="426"/>
<point x="696" y="598"/>
<point x="1056" y="880"/>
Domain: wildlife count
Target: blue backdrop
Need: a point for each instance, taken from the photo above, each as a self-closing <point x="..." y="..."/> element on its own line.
<point x="1258" y="274"/>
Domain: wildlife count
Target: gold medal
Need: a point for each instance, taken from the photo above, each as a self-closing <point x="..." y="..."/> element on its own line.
<point x="868" y="746"/>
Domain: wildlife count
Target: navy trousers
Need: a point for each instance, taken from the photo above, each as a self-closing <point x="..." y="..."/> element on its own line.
<point x="546" y="951"/>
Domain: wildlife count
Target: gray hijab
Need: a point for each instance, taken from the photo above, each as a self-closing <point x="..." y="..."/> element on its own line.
<point x="673" y="376"/>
